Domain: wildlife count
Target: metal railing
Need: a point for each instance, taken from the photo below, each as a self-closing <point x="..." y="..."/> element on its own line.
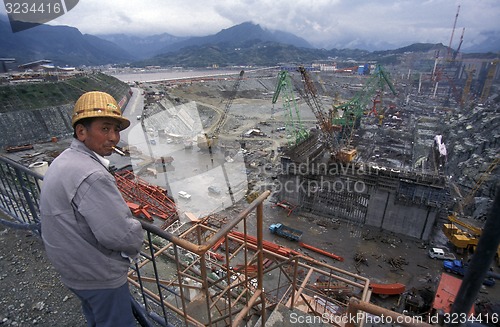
<point x="179" y="279"/>
<point x="19" y="195"/>
<point x="158" y="300"/>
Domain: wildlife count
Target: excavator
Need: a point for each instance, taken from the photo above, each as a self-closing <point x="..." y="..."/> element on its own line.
<point x="466" y="238"/>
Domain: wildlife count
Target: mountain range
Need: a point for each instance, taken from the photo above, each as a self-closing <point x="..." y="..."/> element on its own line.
<point x="243" y="44"/>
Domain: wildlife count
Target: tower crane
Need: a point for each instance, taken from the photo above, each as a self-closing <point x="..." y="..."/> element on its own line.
<point x="293" y="124"/>
<point x="328" y="134"/>
<point x="356" y="107"/>
<point x="481" y="180"/>
<point x="210" y="140"/>
<point x="453" y="31"/>
<point x="468" y="82"/>
<point x="455" y="54"/>
<point x="489" y="80"/>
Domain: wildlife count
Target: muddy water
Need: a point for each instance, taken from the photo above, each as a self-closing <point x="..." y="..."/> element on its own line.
<point x="164" y="75"/>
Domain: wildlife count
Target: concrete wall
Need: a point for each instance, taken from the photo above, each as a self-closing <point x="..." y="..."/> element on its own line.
<point x="38" y="125"/>
<point x="31" y="113"/>
<point x="381" y="204"/>
<point x="386" y="212"/>
<point x="30" y="126"/>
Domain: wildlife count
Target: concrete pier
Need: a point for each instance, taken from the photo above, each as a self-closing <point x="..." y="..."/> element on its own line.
<point x="398" y="201"/>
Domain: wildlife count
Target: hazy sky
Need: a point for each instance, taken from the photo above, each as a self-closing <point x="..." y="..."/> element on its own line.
<point x="324" y="23"/>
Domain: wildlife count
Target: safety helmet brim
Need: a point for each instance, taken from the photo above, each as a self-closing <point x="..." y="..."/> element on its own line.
<point x="97" y="104"/>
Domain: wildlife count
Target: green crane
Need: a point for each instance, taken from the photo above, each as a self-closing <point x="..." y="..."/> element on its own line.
<point x="354" y="109"/>
<point x="293" y="124"/>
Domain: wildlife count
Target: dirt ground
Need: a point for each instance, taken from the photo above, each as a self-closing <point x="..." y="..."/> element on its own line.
<point x="388" y="257"/>
<point x="385" y="257"/>
<point x="32" y="294"/>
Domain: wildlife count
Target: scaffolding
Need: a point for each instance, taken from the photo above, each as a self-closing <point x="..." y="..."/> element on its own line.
<point x="197" y="275"/>
<point x="185" y="276"/>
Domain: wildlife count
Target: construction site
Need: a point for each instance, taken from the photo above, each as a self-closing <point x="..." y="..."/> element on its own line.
<point x="353" y="177"/>
<point x="301" y="194"/>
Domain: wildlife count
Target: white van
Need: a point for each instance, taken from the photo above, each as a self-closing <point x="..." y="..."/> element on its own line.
<point x="438" y="253"/>
<point x="184" y="195"/>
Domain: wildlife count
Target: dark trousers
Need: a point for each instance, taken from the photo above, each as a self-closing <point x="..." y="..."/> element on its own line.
<point x="107" y="307"/>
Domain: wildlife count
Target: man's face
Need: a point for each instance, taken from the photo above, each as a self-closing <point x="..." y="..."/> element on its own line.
<point x="102" y="135"/>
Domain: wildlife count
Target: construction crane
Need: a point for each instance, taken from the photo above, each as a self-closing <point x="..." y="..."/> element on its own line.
<point x="489" y="80"/>
<point x="293" y="124"/>
<point x="455" y="54"/>
<point x="467" y="239"/>
<point x="453" y="31"/>
<point x="463" y="239"/>
<point x="468" y="82"/>
<point x="481" y="180"/>
<point x="210" y="140"/>
<point x="449" y="69"/>
<point x="354" y="109"/>
<point x="328" y="134"/>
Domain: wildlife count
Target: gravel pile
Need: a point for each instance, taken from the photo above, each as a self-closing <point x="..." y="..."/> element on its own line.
<point x="31" y="292"/>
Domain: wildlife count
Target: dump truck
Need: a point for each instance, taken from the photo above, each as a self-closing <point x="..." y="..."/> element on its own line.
<point x="286" y="232"/>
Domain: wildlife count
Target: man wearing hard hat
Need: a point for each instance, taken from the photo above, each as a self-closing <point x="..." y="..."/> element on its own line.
<point x="87" y="228"/>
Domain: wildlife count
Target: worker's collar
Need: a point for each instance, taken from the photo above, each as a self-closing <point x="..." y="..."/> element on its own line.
<point x="103" y="160"/>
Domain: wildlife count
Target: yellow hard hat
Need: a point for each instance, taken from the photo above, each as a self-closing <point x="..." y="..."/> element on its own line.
<point x="98" y="104"/>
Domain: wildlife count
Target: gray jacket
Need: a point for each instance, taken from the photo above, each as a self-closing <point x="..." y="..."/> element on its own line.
<point x="86" y="224"/>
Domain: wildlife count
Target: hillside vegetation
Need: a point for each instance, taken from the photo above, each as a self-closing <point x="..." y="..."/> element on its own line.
<point x="28" y="96"/>
<point x="36" y="112"/>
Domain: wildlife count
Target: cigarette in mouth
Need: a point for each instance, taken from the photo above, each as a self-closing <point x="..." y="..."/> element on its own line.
<point x="120" y="152"/>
